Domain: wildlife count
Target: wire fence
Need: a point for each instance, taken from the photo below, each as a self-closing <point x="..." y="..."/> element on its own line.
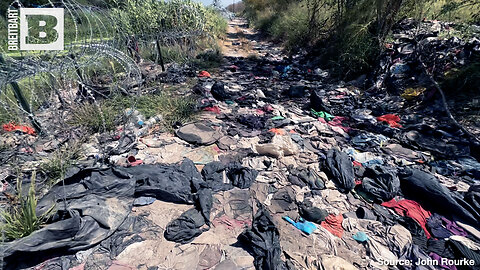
<point x="103" y="55"/>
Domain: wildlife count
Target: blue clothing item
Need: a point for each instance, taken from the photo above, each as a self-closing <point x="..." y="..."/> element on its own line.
<point x="360" y="237"/>
<point x="303" y="225"/>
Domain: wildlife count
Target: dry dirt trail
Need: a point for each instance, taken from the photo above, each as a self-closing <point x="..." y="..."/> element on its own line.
<point x="243" y="41"/>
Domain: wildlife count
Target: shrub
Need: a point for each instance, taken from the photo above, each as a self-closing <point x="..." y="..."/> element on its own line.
<point x="22" y="220"/>
<point x="95" y="117"/>
<point x="60" y="161"/>
<point x="465" y="80"/>
<point x="172" y="108"/>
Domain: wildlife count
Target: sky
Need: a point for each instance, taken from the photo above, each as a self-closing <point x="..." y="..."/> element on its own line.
<point x="224" y="3"/>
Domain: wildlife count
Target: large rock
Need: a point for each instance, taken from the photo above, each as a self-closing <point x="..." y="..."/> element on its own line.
<point x="198" y="133"/>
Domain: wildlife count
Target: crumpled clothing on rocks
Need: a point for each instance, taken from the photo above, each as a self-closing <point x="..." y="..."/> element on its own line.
<point x="189" y="225"/>
<point x="368" y="140"/>
<point x="426" y="189"/>
<point x="97" y="201"/>
<point x="471" y="230"/>
<point x="461" y="251"/>
<point x="365" y="213"/>
<point x="306" y="176"/>
<point x="438" y="258"/>
<point x="437" y="146"/>
<point x="374" y="229"/>
<point x="216" y="175"/>
<point x="466" y="242"/>
<point x="379" y="252"/>
<point x="283" y="201"/>
<point x="312" y="213"/>
<point x="473" y="197"/>
<point x="413" y="253"/>
<point x="398" y="238"/>
<point x="219" y="93"/>
<point x="252" y="121"/>
<point x="391" y="119"/>
<point x="401" y="152"/>
<point x="411" y="209"/>
<point x="443" y="228"/>
<point x="367" y="159"/>
<point x="279" y="147"/>
<point x="333" y="224"/>
<point x="198" y="133"/>
<point x="381" y="182"/>
<point x="331" y="262"/>
<point x="333" y="201"/>
<point x="340" y="168"/>
<point x="264" y="241"/>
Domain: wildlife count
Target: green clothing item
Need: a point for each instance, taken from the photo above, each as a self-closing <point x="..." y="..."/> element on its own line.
<point x="278" y="117"/>
<point x="322" y="114"/>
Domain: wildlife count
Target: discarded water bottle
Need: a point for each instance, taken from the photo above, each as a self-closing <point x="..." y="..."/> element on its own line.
<point x="139" y="120"/>
<point x="135" y="117"/>
<point x="130" y="112"/>
<point x="149" y="123"/>
<point x="153" y="120"/>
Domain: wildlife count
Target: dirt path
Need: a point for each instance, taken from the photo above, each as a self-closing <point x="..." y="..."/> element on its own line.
<point x="235" y="44"/>
<point x="243" y="41"/>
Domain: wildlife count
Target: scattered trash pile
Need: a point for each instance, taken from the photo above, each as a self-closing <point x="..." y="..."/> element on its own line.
<point x="422" y="49"/>
<point x="283" y="169"/>
<point x="434" y="43"/>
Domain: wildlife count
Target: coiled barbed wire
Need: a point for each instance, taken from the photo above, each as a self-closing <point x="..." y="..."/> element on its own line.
<point x="96" y="41"/>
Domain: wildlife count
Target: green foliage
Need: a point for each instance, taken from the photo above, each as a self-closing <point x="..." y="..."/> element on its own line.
<point x="22" y="220"/>
<point x="237" y="8"/>
<point x="215" y="23"/>
<point x="463" y="81"/>
<point x="172" y="108"/>
<point x="7" y="116"/>
<point x="138" y="17"/>
<point x="106" y="115"/>
<point x="171" y="54"/>
<point x="60" y="161"/>
<point x="36" y="91"/>
<point x="354" y="54"/>
<point x="94" y="117"/>
<point x="208" y="59"/>
<point x="292" y="26"/>
<point x="347" y="34"/>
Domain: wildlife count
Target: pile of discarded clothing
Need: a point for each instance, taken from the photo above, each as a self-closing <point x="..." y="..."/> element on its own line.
<point x="92" y="204"/>
<point x="282" y="169"/>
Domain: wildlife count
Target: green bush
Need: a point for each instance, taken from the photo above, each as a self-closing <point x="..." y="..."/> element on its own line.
<point x="60" y="161"/>
<point x="94" y="117"/>
<point x="347" y="35"/>
<point x="208" y="59"/>
<point x="355" y="52"/>
<point x="292" y="26"/>
<point x="465" y="80"/>
<point x="172" y="108"/>
<point x="22" y="219"/>
<point x="139" y="17"/>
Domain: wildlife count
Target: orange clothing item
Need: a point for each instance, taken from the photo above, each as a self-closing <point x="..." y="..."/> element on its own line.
<point x="333" y="224"/>
<point x="278" y="131"/>
<point x="204" y="74"/>
<point x="13" y="127"/>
